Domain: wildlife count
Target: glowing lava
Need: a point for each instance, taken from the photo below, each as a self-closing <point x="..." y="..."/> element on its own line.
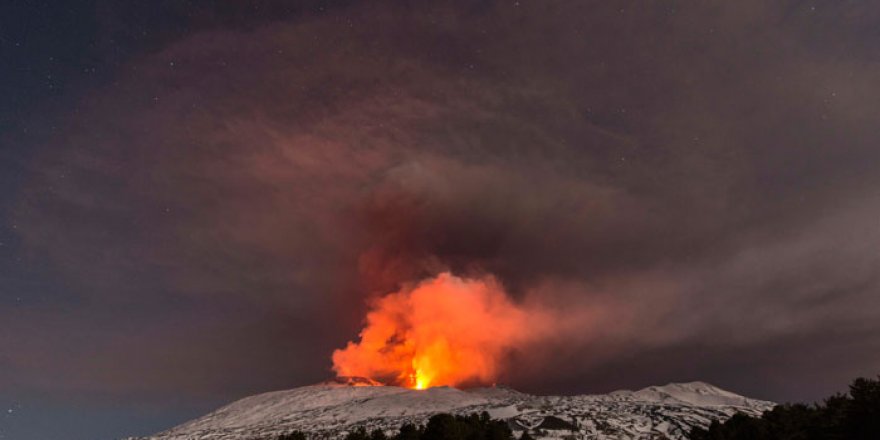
<point x="444" y="331"/>
<point x="420" y="382"/>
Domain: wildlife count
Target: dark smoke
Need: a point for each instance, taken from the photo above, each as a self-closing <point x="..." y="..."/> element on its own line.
<point x="696" y="182"/>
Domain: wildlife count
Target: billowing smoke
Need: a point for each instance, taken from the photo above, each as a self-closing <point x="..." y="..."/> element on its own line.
<point x="695" y="183"/>
<point x="443" y="331"/>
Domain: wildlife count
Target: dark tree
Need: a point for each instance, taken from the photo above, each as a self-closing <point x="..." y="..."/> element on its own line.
<point x="853" y="416"/>
<point x="443" y="427"/>
<point x="295" y="435"/>
<point x="472" y="427"/>
<point x="862" y="419"/>
<point x="439" y="427"/>
<point x="359" y="433"/>
<point x="409" y="432"/>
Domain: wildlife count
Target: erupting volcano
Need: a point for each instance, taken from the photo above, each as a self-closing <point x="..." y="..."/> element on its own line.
<point x="443" y="331"/>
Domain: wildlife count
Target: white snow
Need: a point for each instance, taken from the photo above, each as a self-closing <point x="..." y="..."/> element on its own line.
<point x="694" y="393"/>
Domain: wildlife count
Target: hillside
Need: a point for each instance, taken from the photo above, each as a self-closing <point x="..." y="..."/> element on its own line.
<point x="331" y="409"/>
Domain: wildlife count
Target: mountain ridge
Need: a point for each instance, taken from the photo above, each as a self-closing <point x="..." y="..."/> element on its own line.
<point x="330" y="409"/>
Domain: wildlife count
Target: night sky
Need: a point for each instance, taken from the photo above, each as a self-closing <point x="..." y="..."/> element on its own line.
<point x="198" y="199"/>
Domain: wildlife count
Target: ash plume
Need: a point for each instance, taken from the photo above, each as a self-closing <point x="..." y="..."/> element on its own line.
<point x="692" y="206"/>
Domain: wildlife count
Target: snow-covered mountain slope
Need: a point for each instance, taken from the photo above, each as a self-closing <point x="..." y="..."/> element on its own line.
<point x="331" y="409"/>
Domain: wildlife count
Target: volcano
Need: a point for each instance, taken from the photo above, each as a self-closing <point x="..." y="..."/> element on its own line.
<point x="331" y="409"/>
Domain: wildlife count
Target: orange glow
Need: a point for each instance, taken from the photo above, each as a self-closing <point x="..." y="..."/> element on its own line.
<point x="445" y="331"/>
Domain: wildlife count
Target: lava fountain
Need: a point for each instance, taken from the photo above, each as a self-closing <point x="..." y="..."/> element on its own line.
<point x="445" y="330"/>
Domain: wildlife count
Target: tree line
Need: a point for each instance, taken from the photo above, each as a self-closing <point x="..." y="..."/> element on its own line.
<point x="851" y="416"/>
<point x="439" y="427"/>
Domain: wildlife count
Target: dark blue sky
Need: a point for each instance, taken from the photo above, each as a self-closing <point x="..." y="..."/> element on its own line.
<point x="197" y="201"/>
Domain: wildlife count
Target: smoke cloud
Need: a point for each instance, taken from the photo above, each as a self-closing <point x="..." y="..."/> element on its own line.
<point x="690" y="189"/>
<point x="443" y="331"/>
